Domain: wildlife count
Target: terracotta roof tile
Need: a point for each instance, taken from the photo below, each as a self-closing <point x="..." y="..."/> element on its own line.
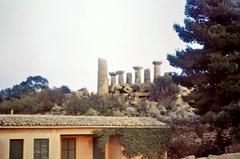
<point x="20" y="121"/>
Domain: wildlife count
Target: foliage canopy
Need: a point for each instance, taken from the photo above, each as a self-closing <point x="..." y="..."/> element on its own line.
<point x="162" y="88"/>
<point x="145" y="142"/>
<point x="213" y="70"/>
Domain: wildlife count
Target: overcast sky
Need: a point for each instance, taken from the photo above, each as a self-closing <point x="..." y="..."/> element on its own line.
<point x="61" y="40"/>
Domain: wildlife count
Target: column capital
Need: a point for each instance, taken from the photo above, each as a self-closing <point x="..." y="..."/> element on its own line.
<point x="137" y="67"/>
<point x="112" y="73"/>
<point x="120" y="72"/>
<point x="157" y="62"/>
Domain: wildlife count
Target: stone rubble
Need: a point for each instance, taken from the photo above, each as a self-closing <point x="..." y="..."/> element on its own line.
<point x="138" y="94"/>
<point x="140" y="103"/>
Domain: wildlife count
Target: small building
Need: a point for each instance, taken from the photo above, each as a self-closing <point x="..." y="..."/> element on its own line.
<point x="63" y="137"/>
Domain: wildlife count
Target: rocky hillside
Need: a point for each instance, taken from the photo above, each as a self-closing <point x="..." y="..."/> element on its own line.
<point x="133" y="100"/>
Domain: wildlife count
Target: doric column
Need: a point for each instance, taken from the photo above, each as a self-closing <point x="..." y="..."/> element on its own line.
<point x="157" y="65"/>
<point x="120" y="77"/>
<point x="102" y="77"/>
<point x="137" y="73"/>
<point x="147" y="76"/>
<point x="129" y="78"/>
<point x="113" y="77"/>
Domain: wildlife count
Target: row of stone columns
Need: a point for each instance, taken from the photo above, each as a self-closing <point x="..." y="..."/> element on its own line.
<point x="103" y="75"/>
<point x="147" y="74"/>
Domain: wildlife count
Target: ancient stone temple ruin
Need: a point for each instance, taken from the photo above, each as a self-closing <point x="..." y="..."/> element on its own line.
<point x="135" y="87"/>
<point x="117" y="85"/>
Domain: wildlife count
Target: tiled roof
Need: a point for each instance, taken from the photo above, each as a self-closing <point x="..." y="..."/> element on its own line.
<point x="48" y="121"/>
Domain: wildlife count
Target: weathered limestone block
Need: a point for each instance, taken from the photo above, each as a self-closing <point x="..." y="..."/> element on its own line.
<point x="140" y="94"/>
<point x="102" y="77"/>
<point x="189" y="157"/>
<point x="124" y="85"/>
<point x="225" y="156"/>
<point x="118" y="113"/>
<point x="141" y="87"/>
<point x="131" y="111"/>
<point x="137" y="73"/>
<point x="162" y="109"/>
<point x="135" y="102"/>
<point x="127" y="89"/>
<point x="84" y="91"/>
<point x="151" y="109"/>
<point x="56" y="110"/>
<point x="157" y="65"/>
<point x="129" y="78"/>
<point x="79" y="94"/>
<point x="91" y="112"/>
<point x="124" y="95"/>
<point x="154" y="112"/>
<point x="114" y="88"/>
<point x="120" y="77"/>
<point x="147" y="76"/>
<point x="113" y="77"/>
<point x="148" y="104"/>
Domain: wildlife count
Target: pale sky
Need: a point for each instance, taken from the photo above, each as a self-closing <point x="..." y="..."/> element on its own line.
<point x="61" y="40"/>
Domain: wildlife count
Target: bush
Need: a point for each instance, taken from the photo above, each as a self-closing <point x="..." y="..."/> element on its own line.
<point x="75" y="105"/>
<point x="148" y="143"/>
<point x="162" y="88"/>
<point x="33" y="103"/>
<point x="104" y="105"/>
<point x="209" y="117"/>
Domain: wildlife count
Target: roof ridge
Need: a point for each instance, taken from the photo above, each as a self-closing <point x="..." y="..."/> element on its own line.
<point x="47" y="115"/>
<point x="79" y="121"/>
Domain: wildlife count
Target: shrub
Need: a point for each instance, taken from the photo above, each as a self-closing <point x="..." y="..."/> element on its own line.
<point x="148" y="143"/>
<point x="162" y="88"/>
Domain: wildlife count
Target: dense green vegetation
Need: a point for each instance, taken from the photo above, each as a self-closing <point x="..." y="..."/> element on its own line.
<point x="33" y="103"/>
<point x="152" y="145"/>
<point x="32" y="84"/>
<point x="213" y="70"/>
<point x="94" y="105"/>
<point x="31" y="96"/>
<point x="164" y="89"/>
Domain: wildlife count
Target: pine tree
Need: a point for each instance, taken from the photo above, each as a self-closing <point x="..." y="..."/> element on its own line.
<point x="213" y="70"/>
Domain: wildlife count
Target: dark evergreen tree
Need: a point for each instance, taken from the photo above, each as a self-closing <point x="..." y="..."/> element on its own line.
<point x="214" y="70"/>
<point x="32" y="84"/>
<point x="65" y="89"/>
